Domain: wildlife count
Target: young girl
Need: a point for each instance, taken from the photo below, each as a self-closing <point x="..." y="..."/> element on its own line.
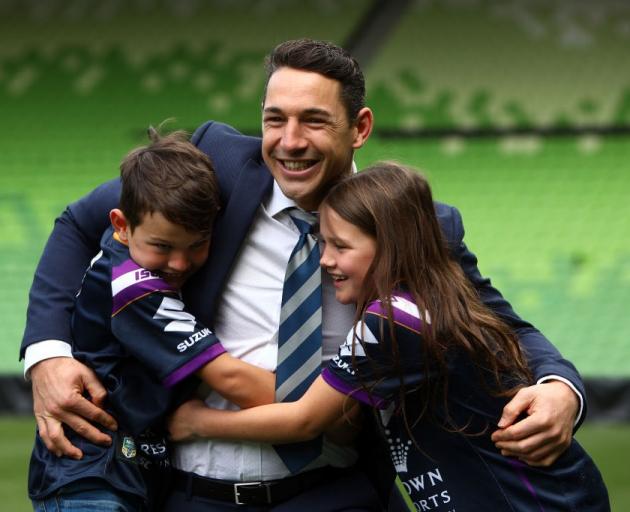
<point x="435" y="365"/>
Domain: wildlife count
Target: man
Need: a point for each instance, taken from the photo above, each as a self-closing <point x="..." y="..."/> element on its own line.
<point x="314" y="117"/>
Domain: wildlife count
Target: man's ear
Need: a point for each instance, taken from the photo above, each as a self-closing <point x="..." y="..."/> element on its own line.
<point x="119" y="223"/>
<point x="363" y="126"/>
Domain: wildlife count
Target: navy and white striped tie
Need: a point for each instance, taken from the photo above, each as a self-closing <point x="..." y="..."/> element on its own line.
<point x="300" y="333"/>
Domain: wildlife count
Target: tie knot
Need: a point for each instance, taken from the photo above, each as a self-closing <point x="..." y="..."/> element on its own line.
<point x="306" y="222"/>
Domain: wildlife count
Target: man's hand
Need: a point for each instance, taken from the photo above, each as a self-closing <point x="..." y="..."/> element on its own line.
<point x="181" y="424"/>
<point x="541" y="437"/>
<point x="58" y="386"/>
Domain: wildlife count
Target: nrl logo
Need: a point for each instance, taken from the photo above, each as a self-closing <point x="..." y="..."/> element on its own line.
<point x="128" y="447"/>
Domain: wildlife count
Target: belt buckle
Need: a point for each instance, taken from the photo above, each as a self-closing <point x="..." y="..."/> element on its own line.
<point x="240" y="485"/>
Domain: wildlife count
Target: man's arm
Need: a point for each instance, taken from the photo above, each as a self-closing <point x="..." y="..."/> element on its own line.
<point x="58" y="381"/>
<point x="554" y="409"/>
<point x="73" y="242"/>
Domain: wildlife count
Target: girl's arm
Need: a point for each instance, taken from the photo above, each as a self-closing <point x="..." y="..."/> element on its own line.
<point x="239" y="382"/>
<point x="276" y="423"/>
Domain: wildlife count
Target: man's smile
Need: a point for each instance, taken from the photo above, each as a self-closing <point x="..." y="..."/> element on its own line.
<point x="297" y="165"/>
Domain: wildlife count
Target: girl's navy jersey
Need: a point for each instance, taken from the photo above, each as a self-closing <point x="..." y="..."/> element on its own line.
<point x="451" y="471"/>
<point x="131" y="328"/>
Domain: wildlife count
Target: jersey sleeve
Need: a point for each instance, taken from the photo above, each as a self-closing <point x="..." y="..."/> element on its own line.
<point x="365" y="367"/>
<point x="352" y="371"/>
<point x="151" y="323"/>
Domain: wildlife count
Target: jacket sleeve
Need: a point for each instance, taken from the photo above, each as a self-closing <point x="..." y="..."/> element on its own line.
<point x="73" y="242"/>
<point x="544" y="359"/>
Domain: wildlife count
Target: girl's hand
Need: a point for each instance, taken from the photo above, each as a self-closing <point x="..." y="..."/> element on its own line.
<point x="182" y="423"/>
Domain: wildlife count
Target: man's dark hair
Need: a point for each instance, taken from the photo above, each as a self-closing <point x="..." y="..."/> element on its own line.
<point x="173" y="177"/>
<point x="328" y="60"/>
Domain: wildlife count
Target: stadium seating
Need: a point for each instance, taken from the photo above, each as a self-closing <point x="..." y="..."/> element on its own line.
<point x="80" y="82"/>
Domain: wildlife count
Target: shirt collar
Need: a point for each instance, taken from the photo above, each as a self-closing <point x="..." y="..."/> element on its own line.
<point x="277" y="201"/>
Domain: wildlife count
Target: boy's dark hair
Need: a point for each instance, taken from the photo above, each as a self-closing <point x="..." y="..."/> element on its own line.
<point x="173" y="177"/>
<point x="328" y="60"/>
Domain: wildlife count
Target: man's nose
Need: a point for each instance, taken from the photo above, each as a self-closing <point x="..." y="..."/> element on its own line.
<point x="293" y="136"/>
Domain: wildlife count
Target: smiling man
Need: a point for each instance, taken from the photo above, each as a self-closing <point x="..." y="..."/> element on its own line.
<point x="309" y="149"/>
<point x="314" y="118"/>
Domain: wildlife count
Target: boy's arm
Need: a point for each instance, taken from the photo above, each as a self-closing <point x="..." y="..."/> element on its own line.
<point x="239" y="382"/>
<point x="153" y="325"/>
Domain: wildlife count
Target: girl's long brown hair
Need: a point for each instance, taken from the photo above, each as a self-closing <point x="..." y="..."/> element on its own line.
<point x="394" y="205"/>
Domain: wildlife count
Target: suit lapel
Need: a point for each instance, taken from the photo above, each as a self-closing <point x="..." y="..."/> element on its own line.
<point x="251" y="187"/>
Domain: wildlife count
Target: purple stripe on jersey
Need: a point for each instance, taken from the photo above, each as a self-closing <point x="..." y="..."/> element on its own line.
<point x="137" y="290"/>
<point x="212" y="352"/>
<point x="400" y="317"/>
<point x="123" y="268"/>
<point x="358" y="394"/>
<point x="519" y="469"/>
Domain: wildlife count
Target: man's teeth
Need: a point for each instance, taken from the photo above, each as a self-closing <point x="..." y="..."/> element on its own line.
<point x="298" y="165"/>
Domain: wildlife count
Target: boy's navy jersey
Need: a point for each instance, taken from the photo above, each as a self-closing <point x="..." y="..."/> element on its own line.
<point x="131" y="328"/>
<point x="451" y="471"/>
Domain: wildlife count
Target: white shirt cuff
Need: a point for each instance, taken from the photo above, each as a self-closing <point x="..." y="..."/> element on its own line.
<point x="41" y="350"/>
<point x="547" y="378"/>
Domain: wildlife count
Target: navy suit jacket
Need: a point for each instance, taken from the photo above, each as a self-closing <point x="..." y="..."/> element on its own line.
<point x="244" y="182"/>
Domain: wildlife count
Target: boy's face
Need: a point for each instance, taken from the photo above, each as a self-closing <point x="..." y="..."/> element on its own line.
<point x="163" y="247"/>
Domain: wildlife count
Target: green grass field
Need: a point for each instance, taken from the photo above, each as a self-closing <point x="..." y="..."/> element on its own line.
<point x="609" y="445"/>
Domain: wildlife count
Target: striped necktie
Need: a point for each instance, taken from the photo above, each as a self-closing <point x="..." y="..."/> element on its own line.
<point x="300" y="333"/>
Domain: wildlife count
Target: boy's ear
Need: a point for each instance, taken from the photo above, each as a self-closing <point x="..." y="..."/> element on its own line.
<point x="119" y="223"/>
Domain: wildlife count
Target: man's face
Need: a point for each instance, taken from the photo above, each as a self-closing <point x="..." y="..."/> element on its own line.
<point x="308" y="141"/>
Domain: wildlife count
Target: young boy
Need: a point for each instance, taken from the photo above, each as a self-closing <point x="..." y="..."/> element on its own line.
<point x="131" y="327"/>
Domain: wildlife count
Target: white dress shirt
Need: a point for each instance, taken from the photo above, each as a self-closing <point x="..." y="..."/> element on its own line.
<point x="247" y="322"/>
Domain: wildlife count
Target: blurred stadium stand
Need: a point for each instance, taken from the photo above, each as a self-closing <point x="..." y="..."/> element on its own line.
<point x="518" y="111"/>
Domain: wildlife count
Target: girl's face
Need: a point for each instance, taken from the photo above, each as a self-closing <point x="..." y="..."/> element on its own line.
<point x="346" y="254"/>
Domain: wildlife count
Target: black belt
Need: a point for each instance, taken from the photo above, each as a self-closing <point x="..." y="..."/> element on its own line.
<point x="269" y="492"/>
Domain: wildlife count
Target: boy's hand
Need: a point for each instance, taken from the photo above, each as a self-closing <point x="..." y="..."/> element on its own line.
<point x="541" y="437"/>
<point x="181" y="424"/>
<point x="58" y="387"/>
